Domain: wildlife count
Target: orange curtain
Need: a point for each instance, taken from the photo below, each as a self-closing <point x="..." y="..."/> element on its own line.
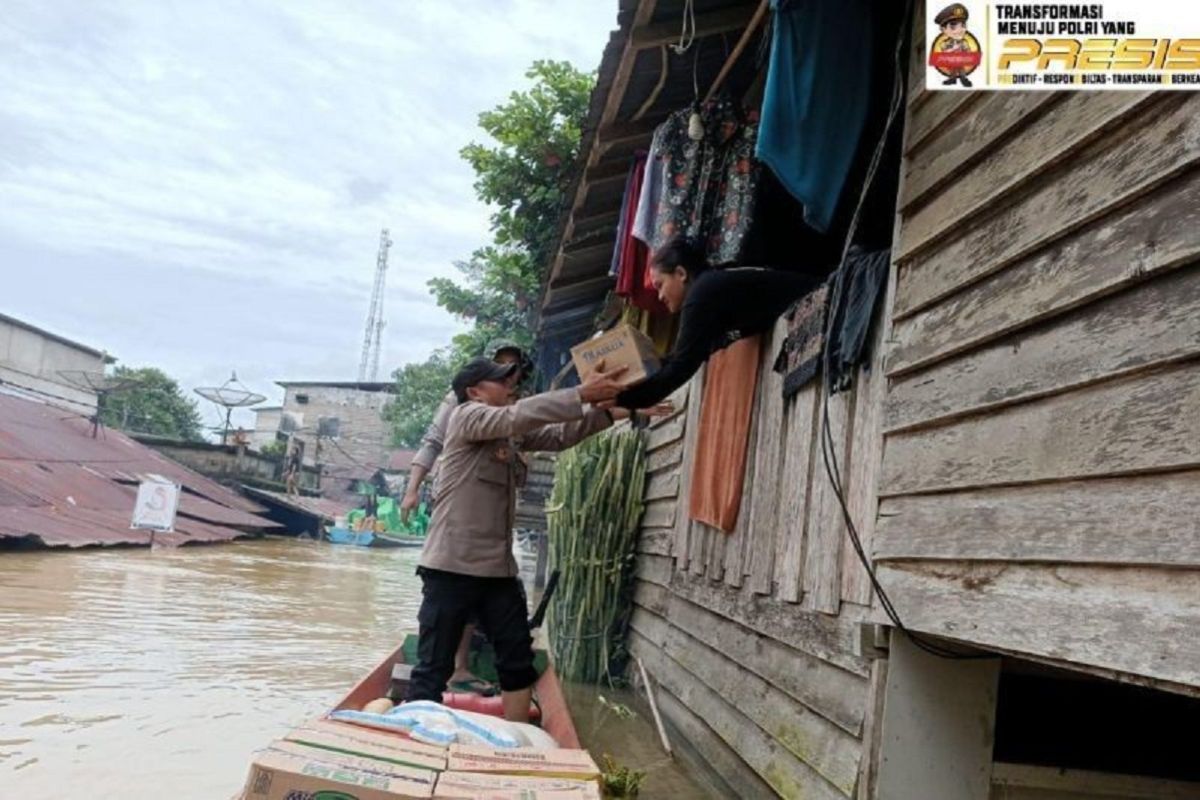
<point x="725" y="415"/>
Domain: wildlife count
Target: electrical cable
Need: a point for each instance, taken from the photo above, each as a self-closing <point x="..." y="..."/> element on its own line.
<point x="828" y="445"/>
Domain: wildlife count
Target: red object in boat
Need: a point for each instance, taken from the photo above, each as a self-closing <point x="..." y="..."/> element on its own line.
<point x="493" y="706"/>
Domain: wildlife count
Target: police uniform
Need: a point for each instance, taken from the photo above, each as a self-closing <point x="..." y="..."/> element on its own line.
<point x="953" y="13"/>
<point x="467" y="566"/>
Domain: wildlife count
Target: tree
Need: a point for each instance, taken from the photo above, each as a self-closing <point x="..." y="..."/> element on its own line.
<point x="524" y="176"/>
<point x="153" y="405"/>
<point x="419" y="390"/>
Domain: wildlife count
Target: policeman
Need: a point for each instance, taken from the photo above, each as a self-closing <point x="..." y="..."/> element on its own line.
<point x="952" y="21"/>
<point x="467" y="566"/>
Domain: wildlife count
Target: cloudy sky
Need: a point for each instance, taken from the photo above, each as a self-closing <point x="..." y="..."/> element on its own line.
<point x="200" y="186"/>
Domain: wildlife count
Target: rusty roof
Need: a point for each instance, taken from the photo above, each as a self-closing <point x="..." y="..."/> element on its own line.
<point x="323" y="508"/>
<point x="61" y="487"/>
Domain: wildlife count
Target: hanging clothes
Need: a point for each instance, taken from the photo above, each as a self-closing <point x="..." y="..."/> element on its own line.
<point x="708" y="187"/>
<point x="627" y="198"/>
<point x="799" y="358"/>
<point x="634" y="262"/>
<point x="858" y="290"/>
<point x="719" y="471"/>
<point x="816" y="99"/>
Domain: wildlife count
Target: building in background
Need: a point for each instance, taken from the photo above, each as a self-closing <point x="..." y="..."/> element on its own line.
<point x="266" y="426"/>
<point x="32" y="361"/>
<point x="340" y="426"/>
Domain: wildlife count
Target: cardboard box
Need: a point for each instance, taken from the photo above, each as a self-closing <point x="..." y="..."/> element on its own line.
<point x="476" y="786"/>
<point x="283" y="774"/>
<point x="353" y="740"/>
<point x="575" y="764"/>
<point x="623" y="346"/>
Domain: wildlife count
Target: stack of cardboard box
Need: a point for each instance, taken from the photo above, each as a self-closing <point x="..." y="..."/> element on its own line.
<point x="354" y="763"/>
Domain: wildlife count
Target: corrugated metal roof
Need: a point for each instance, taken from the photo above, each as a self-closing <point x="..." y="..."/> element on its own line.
<point x="323" y="508"/>
<point x="64" y="488"/>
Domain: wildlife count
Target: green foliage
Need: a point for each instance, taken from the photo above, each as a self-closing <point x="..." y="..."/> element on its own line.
<point x="592" y="515"/>
<point x="523" y="174"/>
<point x="276" y="449"/>
<point x="620" y="781"/>
<point x="154" y="405"/>
<point x="419" y="390"/>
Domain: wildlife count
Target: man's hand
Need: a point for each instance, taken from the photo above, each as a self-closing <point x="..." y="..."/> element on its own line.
<point x="602" y="385"/>
<point x="664" y="409"/>
<point x="408" y="505"/>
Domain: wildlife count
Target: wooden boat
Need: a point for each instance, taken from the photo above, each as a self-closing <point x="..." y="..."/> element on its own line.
<point x="555" y="716"/>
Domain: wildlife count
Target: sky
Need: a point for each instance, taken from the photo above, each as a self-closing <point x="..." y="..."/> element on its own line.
<point x="200" y="186"/>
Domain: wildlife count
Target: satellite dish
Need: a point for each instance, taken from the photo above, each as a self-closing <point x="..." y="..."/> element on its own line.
<point x="99" y="384"/>
<point x="230" y="395"/>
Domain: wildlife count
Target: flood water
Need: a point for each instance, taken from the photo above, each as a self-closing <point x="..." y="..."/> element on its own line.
<point x="135" y="674"/>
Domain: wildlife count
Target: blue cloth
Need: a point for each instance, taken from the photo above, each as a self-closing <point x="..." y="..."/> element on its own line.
<point x="816" y="99"/>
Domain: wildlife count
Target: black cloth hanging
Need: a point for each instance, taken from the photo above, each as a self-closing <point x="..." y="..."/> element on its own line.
<point x="858" y="287"/>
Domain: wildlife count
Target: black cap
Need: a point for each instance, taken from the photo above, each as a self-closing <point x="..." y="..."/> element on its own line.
<point x="478" y="370"/>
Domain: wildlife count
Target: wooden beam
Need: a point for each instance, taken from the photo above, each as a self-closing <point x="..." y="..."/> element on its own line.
<point x="760" y="14"/>
<point x="612" y="105"/>
<point x="707" y="24"/>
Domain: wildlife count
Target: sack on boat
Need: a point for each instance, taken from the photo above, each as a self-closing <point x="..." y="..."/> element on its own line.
<point x="431" y="722"/>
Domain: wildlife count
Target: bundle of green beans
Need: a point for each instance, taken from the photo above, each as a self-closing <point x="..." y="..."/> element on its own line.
<point x="593" y="516"/>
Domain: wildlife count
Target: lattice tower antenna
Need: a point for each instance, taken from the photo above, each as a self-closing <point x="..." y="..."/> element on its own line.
<point x="368" y="366"/>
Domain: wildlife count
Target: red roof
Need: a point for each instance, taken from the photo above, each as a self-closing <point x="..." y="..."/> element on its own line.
<point x="61" y="487"/>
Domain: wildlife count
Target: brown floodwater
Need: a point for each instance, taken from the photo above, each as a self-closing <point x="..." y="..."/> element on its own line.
<point x="135" y="674"/>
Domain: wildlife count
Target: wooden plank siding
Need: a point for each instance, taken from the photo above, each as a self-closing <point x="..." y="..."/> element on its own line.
<point x="1039" y="491"/>
<point x="747" y="631"/>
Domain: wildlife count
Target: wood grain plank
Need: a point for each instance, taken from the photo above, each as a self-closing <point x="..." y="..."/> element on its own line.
<point x="836" y="694"/>
<point x="656" y="541"/>
<point x="868" y="771"/>
<point x="1151" y="325"/>
<point x="1147" y="422"/>
<point x="798" y="449"/>
<point x="783" y="772"/>
<point x="827" y="749"/>
<point x="834" y="639"/>
<point x="671" y="431"/>
<point x="826" y="528"/>
<point x="667" y="457"/>
<point x="691" y="432"/>
<point x="662" y="485"/>
<point x="1125" y="619"/>
<point x="653" y="569"/>
<point x="718" y="755"/>
<point x="1081" y="118"/>
<point x="1135" y="243"/>
<point x="660" y="513"/>
<point x="1151" y="520"/>
<point x="651" y="597"/>
<point x="967" y="137"/>
<point x="1107" y="174"/>
<point x="767" y="461"/>
<point x="866" y="459"/>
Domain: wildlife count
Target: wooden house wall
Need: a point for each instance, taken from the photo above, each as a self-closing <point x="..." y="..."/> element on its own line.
<point x="752" y="637"/>
<point x="1040" y="487"/>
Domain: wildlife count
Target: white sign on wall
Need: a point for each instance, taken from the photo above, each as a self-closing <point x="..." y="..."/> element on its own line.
<point x="156" y="504"/>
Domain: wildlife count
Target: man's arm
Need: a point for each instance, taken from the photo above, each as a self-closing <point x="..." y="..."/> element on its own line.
<point x="423" y="461"/>
<point x="476" y="422"/>
<point x="553" y="438"/>
<point x="435" y="436"/>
